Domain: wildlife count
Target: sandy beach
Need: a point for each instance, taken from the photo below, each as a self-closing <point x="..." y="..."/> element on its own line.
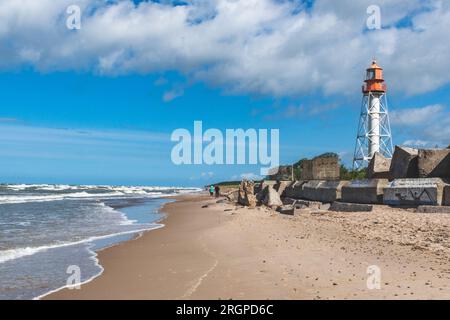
<point x="210" y="250"/>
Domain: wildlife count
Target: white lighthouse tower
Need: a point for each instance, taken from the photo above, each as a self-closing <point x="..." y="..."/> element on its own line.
<point x="374" y="130"/>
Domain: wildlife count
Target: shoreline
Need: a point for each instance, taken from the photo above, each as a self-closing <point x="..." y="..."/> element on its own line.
<point x="210" y="250"/>
<point x="137" y="234"/>
<point x="95" y="253"/>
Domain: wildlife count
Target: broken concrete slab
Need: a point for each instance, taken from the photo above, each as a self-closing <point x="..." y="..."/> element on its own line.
<point x="281" y="186"/>
<point x="320" y="168"/>
<point x="323" y="191"/>
<point x="379" y="167"/>
<point x="446" y="197"/>
<point x="350" y="207"/>
<point x="286" y="209"/>
<point x="232" y="196"/>
<point x="434" y="163"/>
<point x="404" y="163"/>
<point x="414" y="192"/>
<point x="272" y="198"/>
<point x="246" y="194"/>
<point x="294" y="190"/>
<point x="301" y="204"/>
<point x="364" y="191"/>
<point x="287" y="200"/>
<point x="262" y="189"/>
<point x="433" y="209"/>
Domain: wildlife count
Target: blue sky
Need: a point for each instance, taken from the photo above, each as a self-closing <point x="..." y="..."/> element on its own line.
<point x="91" y="107"/>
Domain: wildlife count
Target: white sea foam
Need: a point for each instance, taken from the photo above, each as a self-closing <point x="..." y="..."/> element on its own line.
<point x="55" y="197"/>
<point x="124" y="189"/>
<point x="11" y="254"/>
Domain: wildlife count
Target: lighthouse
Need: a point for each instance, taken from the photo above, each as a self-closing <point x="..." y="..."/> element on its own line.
<point x="374" y="130"/>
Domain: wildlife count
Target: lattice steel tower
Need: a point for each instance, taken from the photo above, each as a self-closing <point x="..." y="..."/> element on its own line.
<point x="374" y="129"/>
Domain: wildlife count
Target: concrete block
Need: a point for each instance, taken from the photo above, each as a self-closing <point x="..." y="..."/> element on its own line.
<point x="446" y="198"/>
<point x="433" y="209"/>
<point x="294" y="190"/>
<point x="262" y="189"/>
<point x="287" y="200"/>
<point x="364" y="191"/>
<point x="281" y="186"/>
<point x="301" y="204"/>
<point x="272" y="198"/>
<point x="323" y="191"/>
<point x="434" y="163"/>
<point x="350" y="207"/>
<point x="404" y="163"/>
<point x="379" y="167"/>
<point x="286" y="209"/>
<point x="320" y="168"/>
<point x="414" y="192"/>
<point x="246" y="194"/>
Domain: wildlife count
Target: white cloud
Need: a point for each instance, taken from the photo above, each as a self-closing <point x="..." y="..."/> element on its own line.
<point x="247" y="176"/>
<point x="416" y="116"/>
<point x="172" y="94"/>
<point x="424" y="126"/>
<point x="245" y="46"/>
<point x="418" y="143"/>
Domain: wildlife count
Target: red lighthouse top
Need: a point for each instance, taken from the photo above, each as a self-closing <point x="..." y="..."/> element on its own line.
<point x="374" y="81"/>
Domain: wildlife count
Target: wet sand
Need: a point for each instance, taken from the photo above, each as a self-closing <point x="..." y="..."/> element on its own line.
<point x="225" y="251"/>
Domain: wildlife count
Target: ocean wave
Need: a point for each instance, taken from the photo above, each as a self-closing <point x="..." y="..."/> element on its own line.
<point x="62" y="187"/>
<point x="12" y="254"/>
<point x="55" y="197"/>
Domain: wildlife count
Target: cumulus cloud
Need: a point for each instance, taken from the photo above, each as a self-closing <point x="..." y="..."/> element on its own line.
<point x="251" y="176"/>
<point x="416" y="116"/>
<point x="262" y="47"/>
<point x="425" y="126"/>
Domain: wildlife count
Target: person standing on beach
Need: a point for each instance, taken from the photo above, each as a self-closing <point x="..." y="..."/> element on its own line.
<point x="211" y="190"/>
<point x="217" y="191"/>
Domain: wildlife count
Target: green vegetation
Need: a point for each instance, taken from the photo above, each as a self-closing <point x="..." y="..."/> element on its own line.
<point x="228" y="183"/>
<point x="327" y="155"/>
<point x="298" y="169"/>
<point x="347" y="174"/>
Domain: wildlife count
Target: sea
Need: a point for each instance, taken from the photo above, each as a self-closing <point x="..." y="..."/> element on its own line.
<point x="50" y="234"/>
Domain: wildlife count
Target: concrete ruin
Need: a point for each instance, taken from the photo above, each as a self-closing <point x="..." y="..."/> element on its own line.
<point x="320" y="168"/>
<point x="246" y="194"/>
<point x="294" y="190"/>
<point x="261" y="189"/>
<point x="404" y="163"/>
<point x="414" y="192"/>
<point x="350" y="207"/>
<point x="281" y="186"/>
<point x="369" y="191"/>
<point x="284" y="173"/>
<point x="379" y="167"/>
<point x="433" y="209"/>
<point x="434" y="163"/>
<point x="446" y="197"/>
<point x="272" y="198"/>
<point x="323" y="191"/>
